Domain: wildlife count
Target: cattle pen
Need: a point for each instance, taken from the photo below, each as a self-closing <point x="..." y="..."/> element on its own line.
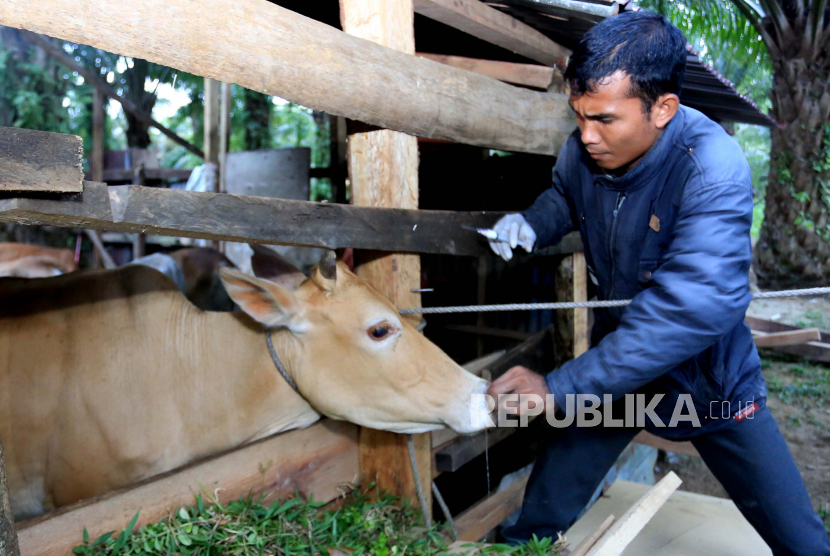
<point x="394" y="97"/>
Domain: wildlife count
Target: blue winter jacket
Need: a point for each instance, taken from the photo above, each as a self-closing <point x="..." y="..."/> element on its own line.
<point x="673" y="235"/>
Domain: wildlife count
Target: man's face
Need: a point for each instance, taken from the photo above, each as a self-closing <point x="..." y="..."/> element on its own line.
<point x="615" y="129"/>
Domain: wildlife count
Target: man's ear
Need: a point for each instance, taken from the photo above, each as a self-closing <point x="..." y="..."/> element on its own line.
<point x="664" y="109"/>
<point x="267" y="302"/>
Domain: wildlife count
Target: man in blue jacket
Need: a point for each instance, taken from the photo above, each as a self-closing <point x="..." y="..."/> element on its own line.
<point x="662" y="198"/>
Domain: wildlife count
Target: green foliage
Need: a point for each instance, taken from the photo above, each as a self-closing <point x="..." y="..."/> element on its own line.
<point x="824" y="514"/>
<point x="385" y="527"/>
<point x="725" y="38"/>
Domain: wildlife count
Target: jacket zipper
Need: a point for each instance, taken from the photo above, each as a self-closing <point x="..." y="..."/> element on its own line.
<point x="620" y="201"/>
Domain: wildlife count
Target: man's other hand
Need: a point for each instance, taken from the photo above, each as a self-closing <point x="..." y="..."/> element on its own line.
<point x="516" y="231"/>
<point x="519" y="380"/>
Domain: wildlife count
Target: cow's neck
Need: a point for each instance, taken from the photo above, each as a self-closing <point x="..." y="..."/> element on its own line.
<point x="255" y="398"/>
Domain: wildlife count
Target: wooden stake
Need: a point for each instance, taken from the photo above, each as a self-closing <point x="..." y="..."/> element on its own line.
<point x="632" y="522"/>
<point x="383" y="169"/>
<point x="8" y="537"/>
<point x="40" y="161"/>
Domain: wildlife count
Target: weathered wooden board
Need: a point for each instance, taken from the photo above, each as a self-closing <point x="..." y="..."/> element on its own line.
<point x="489" y="24"/>
<point x="310" y="63"/>
<point x="528" y="75"/>
<point x="8" y="537"/>
<point x="623" y="531"/>
<point x="482" y="518"/>
<point x="313" y="460"/>
<point x="786" y="338"/>
<point x="178" y="213"/>
<point x="40" y="161"/>
<point x="817" y="351"/>
<point x="689" y="524"/>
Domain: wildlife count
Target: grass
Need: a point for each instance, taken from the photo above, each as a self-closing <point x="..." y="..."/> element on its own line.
<point x="802" y="384"/>
<point x="814" y="319"/>
<point x="294" y="527"/>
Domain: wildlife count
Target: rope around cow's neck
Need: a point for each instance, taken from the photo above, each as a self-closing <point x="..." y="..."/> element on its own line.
<point x="410" y="443"/>
<point x="581" y="304"/>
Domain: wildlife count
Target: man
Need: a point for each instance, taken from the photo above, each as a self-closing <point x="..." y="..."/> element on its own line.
<point x="662" y="198"/>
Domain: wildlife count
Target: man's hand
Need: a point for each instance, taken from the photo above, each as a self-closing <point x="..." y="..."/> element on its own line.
<point x="515" y="229"/>
<point x="519" y="380"/>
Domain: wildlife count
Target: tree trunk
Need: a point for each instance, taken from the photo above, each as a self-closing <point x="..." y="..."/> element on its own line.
<point x="138" y="131"/>
<point x="257" y="120"/>
<point x="8" y="537"/>
<point x="794" y="247"/>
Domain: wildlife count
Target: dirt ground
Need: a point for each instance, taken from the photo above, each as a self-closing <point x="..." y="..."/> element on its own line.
<point x="799" y="397"/>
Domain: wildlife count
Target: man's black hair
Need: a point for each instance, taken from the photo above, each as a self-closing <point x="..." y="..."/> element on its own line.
<point x="644" y="45"/>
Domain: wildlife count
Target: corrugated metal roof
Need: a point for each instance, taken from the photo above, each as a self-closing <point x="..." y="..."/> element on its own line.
<point x="703" y="89"/>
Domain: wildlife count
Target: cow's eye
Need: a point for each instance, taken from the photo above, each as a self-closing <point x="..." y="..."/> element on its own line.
<point x="380" y="331"/>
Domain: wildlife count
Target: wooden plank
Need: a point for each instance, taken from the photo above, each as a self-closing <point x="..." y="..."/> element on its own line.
<point x="689" y="524"/>
<point x="632" y="522"/>
<point x="92" y="77"/>
<point x="313" y="460"/>
<point x="583" y="547"/>
<point x="817" y="351"/>
<point x="309" y="63"/>
<point x="126" y="174"/>
<point x="582" y="332"/>
<point x="529" y="75"/>
<point x="466" y="448"/>
<point x="685" y="448"/>
<point x="383" y="171"/>
<point x="489" y="24"/>
<point x="40" y="161"/>
<point x="179" y="213"/>
<point x="788" y="338"/>
<point x="8" y="537"/>
<point x="482" y="518"/>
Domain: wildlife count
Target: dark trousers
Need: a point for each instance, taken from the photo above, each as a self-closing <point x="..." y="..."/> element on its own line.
<point x="751" y="460"/>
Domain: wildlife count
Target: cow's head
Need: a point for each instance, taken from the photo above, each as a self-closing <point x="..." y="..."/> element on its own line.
<point x="360" y="360"/>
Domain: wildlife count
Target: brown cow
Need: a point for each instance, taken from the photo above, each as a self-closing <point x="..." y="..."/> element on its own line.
<point x="108" y="377"/>
<point x="34" y="261"/>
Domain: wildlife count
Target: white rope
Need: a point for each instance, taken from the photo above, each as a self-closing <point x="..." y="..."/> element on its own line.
<point x="582" y="304"/>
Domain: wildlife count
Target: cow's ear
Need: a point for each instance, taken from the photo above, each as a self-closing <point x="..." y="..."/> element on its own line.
<point x="267" y="264"/>
<point x="268" y="303"/>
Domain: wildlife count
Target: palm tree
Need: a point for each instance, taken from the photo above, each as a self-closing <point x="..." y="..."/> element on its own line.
<point x="794" y="244"/>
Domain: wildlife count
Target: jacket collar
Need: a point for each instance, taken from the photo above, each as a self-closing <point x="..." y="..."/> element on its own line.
<point x="651" y="162"/>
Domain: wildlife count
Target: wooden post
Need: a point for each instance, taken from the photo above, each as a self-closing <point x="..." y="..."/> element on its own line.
<point x="572" y="333"/>
<point x="212" y="124"/>
<point x="582" y="334"/>
<point x="224" y="134"/>
<point x="139" y="239"/>
<point x="338" y="157"/>
<point x="383" y="169"/>
<point x="8" y="537"/>
<point x="98" y="115"/>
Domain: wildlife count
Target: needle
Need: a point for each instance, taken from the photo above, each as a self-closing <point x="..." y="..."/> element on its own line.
<point x="492" y="235"/>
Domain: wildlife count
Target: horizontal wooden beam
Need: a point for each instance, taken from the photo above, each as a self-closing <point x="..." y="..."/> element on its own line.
<point x="310" y="63"/>
<point x="466" y="448"/>
<point x="93" y="78"/>
<point x="817" y="351"/>
<point x="528" y="75"/>
<point x="476" y="522"/>
<point x="219" y="216"/>
<point x="40" y="161"/>
<point x="313" y="460"/>
<point x="786" y="338"/>
<point x="126" y="174"/>
<point x="489" y="24"/>
<point x="571" y="9"/>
